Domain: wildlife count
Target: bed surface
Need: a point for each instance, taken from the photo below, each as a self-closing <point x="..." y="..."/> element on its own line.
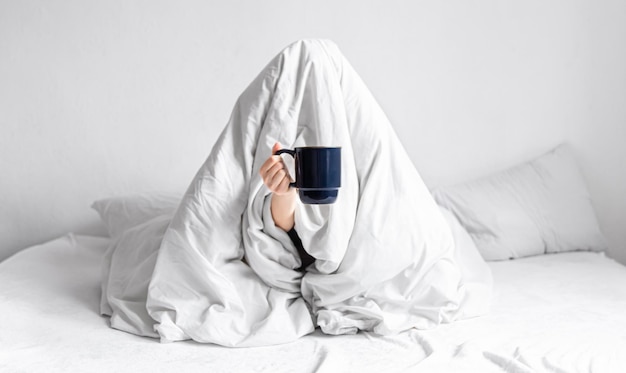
<point x="561" y="312"/>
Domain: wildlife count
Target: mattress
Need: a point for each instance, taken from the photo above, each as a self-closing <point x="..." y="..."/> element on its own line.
<point x="555" y="313"/>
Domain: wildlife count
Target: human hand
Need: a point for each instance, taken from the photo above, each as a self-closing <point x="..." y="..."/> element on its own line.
<point x="274" y="173"/>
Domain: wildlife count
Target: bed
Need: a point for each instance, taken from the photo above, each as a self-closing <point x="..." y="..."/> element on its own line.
<point x="503" y="273"/>
<point x="555" y="313"/>
<point x="558" y="307"/>
<point x="557" y="301"/>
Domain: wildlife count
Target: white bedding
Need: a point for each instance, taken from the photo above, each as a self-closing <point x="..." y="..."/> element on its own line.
<point x="553" y="313"/>
<point x="385" y="256"/>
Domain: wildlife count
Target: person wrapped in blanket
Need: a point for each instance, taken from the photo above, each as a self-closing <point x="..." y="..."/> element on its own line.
<point x="221" y="270"/>
<point x="284" y="198"/>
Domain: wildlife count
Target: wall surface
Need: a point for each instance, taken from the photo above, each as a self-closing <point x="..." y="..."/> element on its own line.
<point x="102" y="98"/>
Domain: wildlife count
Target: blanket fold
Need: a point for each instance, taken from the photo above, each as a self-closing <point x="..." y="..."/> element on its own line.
<point x="385" y="259"/>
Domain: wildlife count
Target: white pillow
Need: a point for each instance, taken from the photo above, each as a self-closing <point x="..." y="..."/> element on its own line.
<point x="124" y="212"/>
<point x="539" y="207"/>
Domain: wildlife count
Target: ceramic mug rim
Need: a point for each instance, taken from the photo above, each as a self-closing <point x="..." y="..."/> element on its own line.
<point x="317" y="147"/>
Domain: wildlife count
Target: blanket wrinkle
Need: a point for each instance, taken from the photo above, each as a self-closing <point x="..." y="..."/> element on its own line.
<point x="386" y="259"/>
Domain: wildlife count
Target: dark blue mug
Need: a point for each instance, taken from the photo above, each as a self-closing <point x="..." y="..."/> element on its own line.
<point x="318" y="173"/>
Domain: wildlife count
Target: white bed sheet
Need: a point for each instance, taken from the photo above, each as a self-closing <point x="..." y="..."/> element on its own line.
<point x="561" y="312"/>
<point x="50" y="322"/>
<point x="551" y="313"/>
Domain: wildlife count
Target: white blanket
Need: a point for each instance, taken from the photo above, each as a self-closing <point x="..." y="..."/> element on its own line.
<point x="385" y="254"/>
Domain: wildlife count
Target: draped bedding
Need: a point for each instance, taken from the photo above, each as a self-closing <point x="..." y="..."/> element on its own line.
<point x="386" y="258"/>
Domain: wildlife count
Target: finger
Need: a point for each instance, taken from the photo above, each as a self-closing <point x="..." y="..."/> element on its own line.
<point x="267" y="164"/>
<point x="271" y="161"/>
<point x="277" y="179"/>
<point x="283" y="187"/>
<point x="276" y="167"/>
<point x="270" y="175"/>
<point x="276" y="147"/>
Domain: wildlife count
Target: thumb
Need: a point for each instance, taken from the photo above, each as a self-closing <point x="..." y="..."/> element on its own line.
<point x="276" y="148"/>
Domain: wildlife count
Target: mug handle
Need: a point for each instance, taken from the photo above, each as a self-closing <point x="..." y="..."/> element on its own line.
<point x="291" y="153"/>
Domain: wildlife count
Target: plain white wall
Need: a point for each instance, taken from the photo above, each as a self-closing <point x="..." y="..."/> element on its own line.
<point x="102" y="98"/>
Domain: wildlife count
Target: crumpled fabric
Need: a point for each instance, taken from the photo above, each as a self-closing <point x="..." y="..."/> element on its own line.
<point x="385" y="255"/>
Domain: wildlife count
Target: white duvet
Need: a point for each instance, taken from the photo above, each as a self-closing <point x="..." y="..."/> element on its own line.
<point x="386" y="260"/>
